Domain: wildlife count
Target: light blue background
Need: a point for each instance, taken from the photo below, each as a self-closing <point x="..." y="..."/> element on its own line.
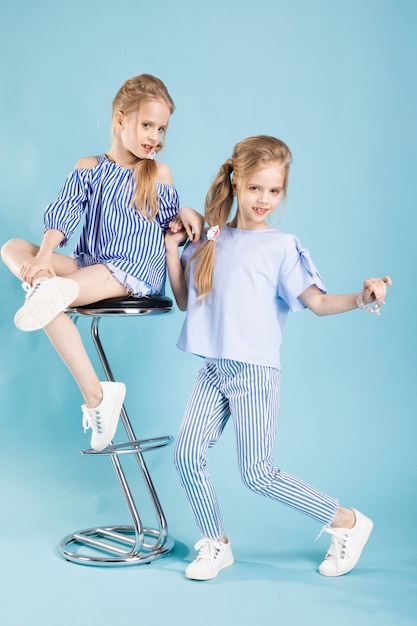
<point x="337" y="81"/>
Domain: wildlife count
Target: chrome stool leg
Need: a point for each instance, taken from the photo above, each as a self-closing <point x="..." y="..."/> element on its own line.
<point x="130" y="544"/>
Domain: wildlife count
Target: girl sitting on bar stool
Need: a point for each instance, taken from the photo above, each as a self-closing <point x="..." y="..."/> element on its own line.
<point x="128" y="201"/>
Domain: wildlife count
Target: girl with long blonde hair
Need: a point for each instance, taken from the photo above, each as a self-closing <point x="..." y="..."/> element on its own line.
<point x="126" y="200"/>
<point x="238" y="286"/>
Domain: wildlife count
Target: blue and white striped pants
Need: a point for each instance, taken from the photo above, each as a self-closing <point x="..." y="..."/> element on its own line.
<point x="250" y="394"/>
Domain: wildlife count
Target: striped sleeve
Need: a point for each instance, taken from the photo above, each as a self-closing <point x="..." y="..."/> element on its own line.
<point x="169" y="204"/>
<point x="65" y="212"/>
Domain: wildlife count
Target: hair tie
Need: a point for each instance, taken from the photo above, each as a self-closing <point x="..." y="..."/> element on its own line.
<point x="151" y="155"/>
<point x="213" y="233"/>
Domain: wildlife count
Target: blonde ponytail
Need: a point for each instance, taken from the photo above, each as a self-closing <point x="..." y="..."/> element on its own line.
<point x="131" y="95"/>
<point x="145" y="198"/>
<point x="219" y="201"/>
<point x="249" y="155"/>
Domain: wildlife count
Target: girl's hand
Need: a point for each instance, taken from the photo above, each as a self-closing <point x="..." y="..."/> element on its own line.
<point x="41" y="263"/>
<point x="375" y="289"/>
<point x="193" y="223"/>
<point x="175" y="236"/>
<point x="176" y="226"/>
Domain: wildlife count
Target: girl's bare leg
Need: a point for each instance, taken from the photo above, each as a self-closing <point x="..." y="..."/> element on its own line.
<point x="67" y="341"/>
<point x="16" y="252"/>
<point x="345" y="518"/>
<point x="96" y="283"/>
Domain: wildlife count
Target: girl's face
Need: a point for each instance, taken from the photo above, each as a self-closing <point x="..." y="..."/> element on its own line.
<point x="258" y="196"/>
<point x="143" y="130"/>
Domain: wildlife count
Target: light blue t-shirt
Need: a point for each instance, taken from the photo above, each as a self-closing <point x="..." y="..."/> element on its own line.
<point x="257" y="279"/>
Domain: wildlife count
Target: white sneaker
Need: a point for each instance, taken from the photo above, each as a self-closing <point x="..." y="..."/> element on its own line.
<point x="44" y="301"/>
<point x="213" y="557"/>
<point x="346" y="546"/>
<point x="103" y="419"/>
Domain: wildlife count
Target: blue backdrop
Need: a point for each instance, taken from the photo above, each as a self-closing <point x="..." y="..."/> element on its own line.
<point x="336" y="80"/>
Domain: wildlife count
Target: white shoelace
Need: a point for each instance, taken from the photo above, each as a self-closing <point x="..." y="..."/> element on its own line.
<point x="207" y="549"/>
<point x="91" y="419"/>
<point x="29" y="290"/>
<point x="337" y="549"/>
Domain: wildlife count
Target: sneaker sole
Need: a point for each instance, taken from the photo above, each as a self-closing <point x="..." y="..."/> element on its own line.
<point x="37" y="313"/>
<point x="210" y="576"/>
<point x="114" y="420"/>
<point x="370" y="525"/>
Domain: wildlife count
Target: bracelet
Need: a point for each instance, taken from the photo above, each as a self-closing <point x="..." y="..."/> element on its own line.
<point x="371" y="308"/>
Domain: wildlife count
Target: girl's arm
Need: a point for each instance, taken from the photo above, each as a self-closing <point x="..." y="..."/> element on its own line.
<point x="175" y="272"/>
<point x="374" y="290"/>
<point x="190" y="221"/>
<point x="187" y="219"/>
<point x="42" y="262"/>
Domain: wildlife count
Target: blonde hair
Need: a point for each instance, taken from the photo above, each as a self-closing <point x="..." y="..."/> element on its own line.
<point x="131" y="95"/>
<point x="249" y="155"/>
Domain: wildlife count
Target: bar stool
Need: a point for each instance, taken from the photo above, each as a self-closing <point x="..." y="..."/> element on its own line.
<point x="134" y="543"/>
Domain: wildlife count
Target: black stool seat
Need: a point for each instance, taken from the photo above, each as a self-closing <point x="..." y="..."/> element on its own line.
<point x="126" y="305"/>
<point x="122" y="544"/>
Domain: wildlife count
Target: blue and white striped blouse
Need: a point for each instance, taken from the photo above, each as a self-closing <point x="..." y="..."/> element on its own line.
<point x="114" y="233"/>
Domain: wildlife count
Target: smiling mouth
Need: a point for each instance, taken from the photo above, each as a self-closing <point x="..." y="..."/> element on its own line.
<point x="259" y="210"/>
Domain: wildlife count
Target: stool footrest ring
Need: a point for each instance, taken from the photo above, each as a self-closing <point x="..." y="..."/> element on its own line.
<point x="110" y="541"/>
<point x="129" y="447"/>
